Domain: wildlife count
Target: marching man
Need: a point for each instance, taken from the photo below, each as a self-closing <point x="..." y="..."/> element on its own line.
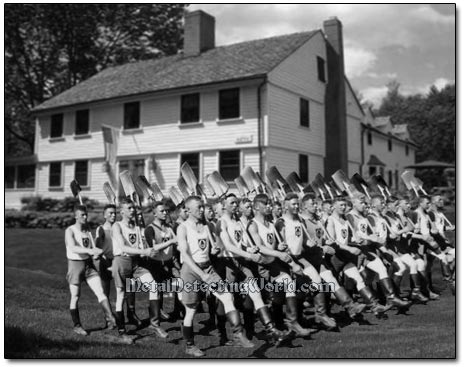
<point x="195" y="246"/>
<point x="79" y="252"/>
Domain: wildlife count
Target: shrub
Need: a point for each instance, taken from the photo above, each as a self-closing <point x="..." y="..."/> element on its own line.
<point x="37" y="203"/>
<point x="36" y="219"/>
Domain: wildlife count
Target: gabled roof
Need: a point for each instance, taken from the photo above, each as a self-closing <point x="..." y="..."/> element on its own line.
<point x="234" y="62"/>
<point x="375" y="161"/>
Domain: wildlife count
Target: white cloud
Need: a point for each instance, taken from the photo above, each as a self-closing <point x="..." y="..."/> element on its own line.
<point x="439" y="83"/>
<point x="374" y="95"/>
<point x="358" y="61"/>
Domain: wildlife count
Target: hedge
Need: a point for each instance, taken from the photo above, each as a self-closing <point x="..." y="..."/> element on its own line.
<point x="36" y="219"/>
<point x="37" y="203"/>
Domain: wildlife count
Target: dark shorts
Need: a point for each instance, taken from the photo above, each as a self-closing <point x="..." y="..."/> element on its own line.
<point x="126" y="267"/>
<point x="190" y="296"/>
<point x="315" y="256"/>
<point x="272" y="270"/>
<point x="80" y="270"/>
<point x="163" y="270"/>
<point x="239" y="270"/>
<point x="343" y="260"/>
<point x="102" y="265"/>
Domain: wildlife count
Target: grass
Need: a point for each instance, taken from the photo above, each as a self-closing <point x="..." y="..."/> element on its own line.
<point x="38" y="324"/>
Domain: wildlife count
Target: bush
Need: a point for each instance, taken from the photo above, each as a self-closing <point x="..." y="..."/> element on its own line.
<point x="37" y="219"/>
<point x="37" y="203"/>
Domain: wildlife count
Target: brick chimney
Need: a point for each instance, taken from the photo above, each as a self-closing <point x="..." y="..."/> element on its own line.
<point x="335" y="100"/>
<point x="198" y="32"/>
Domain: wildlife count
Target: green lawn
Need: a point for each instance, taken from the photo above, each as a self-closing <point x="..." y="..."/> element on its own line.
<point x="38" y="324"/>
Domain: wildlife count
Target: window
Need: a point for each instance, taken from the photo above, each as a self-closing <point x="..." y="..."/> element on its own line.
<point x="369" y="138"/>
<point x="190" y="108"/>
<point x="9" y="177"/>
<point x="382" y="171"/>
<point x="396" y="179"/>
<point x="54" y="179"/>
<point x="26" y="176"/>
<point x="229" y="164"/>
<point x="81" y="172"/>
<point x="303" y="167"/>
<point x="407" y="149"/>
<point x="193" y="159"/>
<point x="372" y="170"/>
<point x="56" y="126"/>
<point x="136" y="167"/>
<point x="82" y="122"/>
<point x="304" y="112"/>
<point x="321" y="69"/>
<point x="390" y="178"/>
<point x="131" y="115"/>
<point x="229" y="103"/>
<point x="389" y="145"/>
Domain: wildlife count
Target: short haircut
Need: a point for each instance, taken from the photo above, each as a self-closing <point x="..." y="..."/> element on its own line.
<point x="336" y="199"/>
<point x="156" y="204"/>
<point x="392" y="199"/>
<point x="377" y="197"/>
<point x="80" y="207"/>
<point x="109" y="206"/>
<point x="229" y="195"/>
<point x="291" y="196"/>
<point x="423" y="198"/>
<point x="260" y="198"/>
<point x="276" y="203"/>
<point x="191" y="199"/>
<point x="243" y="201"/>
<point x="125" y="201"/>
<point x="307" y="197"/>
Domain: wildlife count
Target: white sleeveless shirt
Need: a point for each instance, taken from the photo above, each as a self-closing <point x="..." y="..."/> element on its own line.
<point x="294" y="235"/>
<point x="198" y="242"/>
<point x="131" y="235"/>
<point x="316" y="231"/>
<point x="341" y="231"/>
<point x="234" y="230"/>
<point x="267" y="234"/>
<point x="82" y="239"/>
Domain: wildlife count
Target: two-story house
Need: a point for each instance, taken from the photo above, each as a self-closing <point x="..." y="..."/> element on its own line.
<point x="280" y="101"/>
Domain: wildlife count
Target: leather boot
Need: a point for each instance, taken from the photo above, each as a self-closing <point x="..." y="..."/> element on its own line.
<point x="239" y="339"/>
<point x="321" y="312"/>
<point x="109" y="318"/>
<point x="425" y="287"/>
<point x="191" y="349"/>
<point x="392" y="298"/>
<point x="132" y="318"/>
<point x="221" y="326"/>
<point x="277" y="312"/>
<point x="372" y="302"/>
<point x="416" y="294"/>
<point x="353" y="308"/>
<point x="154" y="314"/>
<point x="446" y="271"/>
<point x="275" y="336"/>
<point x="291" y="319"/>
<point x="249" y="323"/>
<point x="119" y="315"/>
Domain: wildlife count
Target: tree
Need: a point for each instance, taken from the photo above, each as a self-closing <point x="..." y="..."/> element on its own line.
<point x="51" y="47"/>
<point x="431" y="122"/>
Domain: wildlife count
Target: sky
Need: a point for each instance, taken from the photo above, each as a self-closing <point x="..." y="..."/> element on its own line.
<point x="413" y="44"/>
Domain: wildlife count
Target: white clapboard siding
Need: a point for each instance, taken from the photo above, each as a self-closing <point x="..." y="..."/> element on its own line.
<point x="287" y="161"/>
<point x="251" y="158"/>
<point x="160" y="129"/>
<point x="295" y="78"/>
<point x="353" y="167"/>
<point x="210" y="162"/>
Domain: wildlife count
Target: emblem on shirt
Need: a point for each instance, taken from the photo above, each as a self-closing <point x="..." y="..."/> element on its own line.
<point x="202" y="243"/>
<point x="363" y="227"/>
<point x="86" y="242"/>
<point x="384" y="227"/>
<point x="270" y="238"/>
<point x="344" y="233"/>
<point x="238" y="235"/>
<point x="132" y="238"/>
<point x="319" y="232"/>
<point x="298" y="231"/>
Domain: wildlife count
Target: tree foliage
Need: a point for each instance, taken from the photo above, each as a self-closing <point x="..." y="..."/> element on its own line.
<point x="431" y="120"/>
<point x="51" y="47"/>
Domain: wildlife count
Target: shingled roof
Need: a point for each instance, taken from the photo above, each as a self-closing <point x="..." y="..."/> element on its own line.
<point x="238" y="61"/>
